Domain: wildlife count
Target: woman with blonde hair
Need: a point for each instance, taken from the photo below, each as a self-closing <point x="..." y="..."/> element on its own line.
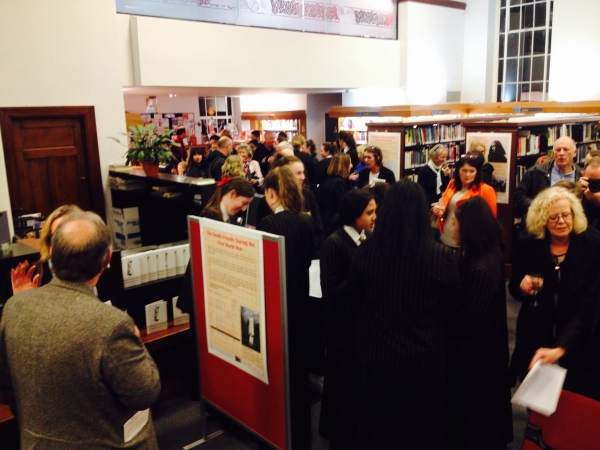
<point x="233" y="167"/>
<point x="284" y="197"/>
<point x="22" y="277"/>
<point x="553" y="271"/>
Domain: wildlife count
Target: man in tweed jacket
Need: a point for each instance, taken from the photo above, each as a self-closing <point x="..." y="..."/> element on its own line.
<point x="73" y="369"/>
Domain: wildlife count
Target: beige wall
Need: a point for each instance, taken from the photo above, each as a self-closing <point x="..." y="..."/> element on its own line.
<point x="63" y="53"/>
<point x="177" y="53"/>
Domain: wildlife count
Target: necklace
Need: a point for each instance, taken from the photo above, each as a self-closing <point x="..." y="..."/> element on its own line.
<point x="558" y="260"/>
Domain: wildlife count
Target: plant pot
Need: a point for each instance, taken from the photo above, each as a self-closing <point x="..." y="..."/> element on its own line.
<point x="150" y="168"/>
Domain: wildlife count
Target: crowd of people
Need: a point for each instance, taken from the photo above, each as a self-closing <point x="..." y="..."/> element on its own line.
<point x="414" y="298"/>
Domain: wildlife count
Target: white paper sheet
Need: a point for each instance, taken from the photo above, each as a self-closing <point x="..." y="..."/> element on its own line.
<point x="315" y="279"/>
<point x="541" y="388"/>
<point x="156" y="317"/>
<point x="134" y="425"/>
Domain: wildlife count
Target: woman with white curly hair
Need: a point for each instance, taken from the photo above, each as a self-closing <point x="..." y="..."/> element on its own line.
<point x="553" y="272"/>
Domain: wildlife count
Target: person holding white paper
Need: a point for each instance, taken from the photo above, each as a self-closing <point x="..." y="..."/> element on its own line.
<point x="566" y="254"/>
<point x="341" y="386"/>
<point x="73" y="369"/>
<point x="480" y="415"/>
<point x="284" y="197"/>
<point x="582" y="339"/>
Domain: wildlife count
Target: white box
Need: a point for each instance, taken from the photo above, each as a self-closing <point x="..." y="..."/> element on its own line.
<point x="130" y="266"/>
<point x="156" y="317"/>
<point x="152" y="262"/>
<point x="161" y="263"/>
<point x="186" y="254"/>
<point x="179" y="260"/>
<point x="171" y="263"/>
<point x="179" y="317"/>
<point x="143" y="262"/>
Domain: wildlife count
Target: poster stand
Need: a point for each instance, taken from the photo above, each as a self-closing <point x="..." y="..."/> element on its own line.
<point x="258" y="403"/>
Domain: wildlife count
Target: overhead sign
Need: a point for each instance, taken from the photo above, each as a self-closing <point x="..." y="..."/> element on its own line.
<point x="343" y="17"/>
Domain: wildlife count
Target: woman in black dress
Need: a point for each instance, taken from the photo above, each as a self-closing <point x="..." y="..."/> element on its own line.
<point x="341" y="387"/>
<point x="336" y="186"/>
<point x="480" y="412"/>
<point x="564" y="253"/>
<point x="284" y="197"/>
<point x="375" y="171"/>
<point x="404" y="284"/>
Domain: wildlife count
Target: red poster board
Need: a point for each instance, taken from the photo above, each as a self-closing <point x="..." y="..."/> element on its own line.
<point x="261" y="408"/>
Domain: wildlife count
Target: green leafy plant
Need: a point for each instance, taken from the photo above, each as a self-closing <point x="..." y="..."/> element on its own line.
<point x="146" y="144"/>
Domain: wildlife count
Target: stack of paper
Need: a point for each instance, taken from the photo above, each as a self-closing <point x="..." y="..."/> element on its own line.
<point x="540" y="390"/>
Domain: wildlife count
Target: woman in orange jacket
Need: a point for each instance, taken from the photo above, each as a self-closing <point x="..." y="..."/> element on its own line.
<point x="465" y="185"/>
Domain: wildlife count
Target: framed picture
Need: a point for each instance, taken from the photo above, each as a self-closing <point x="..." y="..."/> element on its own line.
<point x="496" y="149"/>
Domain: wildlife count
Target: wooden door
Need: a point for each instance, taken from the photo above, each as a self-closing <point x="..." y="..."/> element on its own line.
<point x="51" y="157"/>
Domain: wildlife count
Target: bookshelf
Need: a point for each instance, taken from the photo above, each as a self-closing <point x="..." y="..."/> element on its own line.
<point x="417" y="138"/>
<point x="290" y="122"/>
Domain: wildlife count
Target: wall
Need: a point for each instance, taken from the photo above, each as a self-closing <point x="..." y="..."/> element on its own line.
<point x="62" y="53"/>
<point x="308" y="68"/>
<point x="273" y="102"/>
<point x="480" y="54"/>
<point x="434" y="51"/>
<point x="317" y="106"/>
<point x="575" y="60"/>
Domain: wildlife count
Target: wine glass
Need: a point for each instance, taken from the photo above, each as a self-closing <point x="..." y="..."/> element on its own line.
<point x="537" y="282"/>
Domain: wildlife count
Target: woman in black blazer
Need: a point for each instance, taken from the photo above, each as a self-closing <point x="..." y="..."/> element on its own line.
<point x="480" y="414"/>
<point x="404" y="284"/>
<point x="341" y="386"/>
<point x="336" y="186"/>
<point x="433" y="176"/>
<point x="284" y="197"/>
<point x="373" y="158"/>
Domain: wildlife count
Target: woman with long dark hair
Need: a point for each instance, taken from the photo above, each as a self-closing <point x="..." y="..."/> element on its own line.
<point x="404" y="283"/>
<point x="341" y="386"/>
<point x="480" y="412"/>
<point x="336" y="186"/>
<point x="233" y="195"/>
<point x="195" y="167"/>
<point x="285" y="199"/>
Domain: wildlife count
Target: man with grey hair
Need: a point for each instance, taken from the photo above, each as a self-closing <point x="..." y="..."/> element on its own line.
<point x="542" y="176"/>
<point x="217" y="157"/>
<point x="73" y="369"/>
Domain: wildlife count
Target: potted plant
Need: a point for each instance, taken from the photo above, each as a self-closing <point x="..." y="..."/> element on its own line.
<point x="149" y="146"/>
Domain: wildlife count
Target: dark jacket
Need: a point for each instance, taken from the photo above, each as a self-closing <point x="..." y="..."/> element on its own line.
<point x="384" y="174"/>
<point x="332" y="193"/>
<point x="401" y="324"/>
<point x="427" y="178"/>
<point x="541" y="326"/>
<point x="309" y="169"/>
<point x="261" y="154"/>
<point x="478" y="332"/>
<point x="535" y="180"/>
<point x="592" y="212"/>
<point x="215" y="161"/>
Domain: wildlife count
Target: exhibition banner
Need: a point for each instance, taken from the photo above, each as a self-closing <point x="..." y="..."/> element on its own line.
<point x="389" y="143"/>
<point x="375" y="18"/>
<point x="232" y="262"/>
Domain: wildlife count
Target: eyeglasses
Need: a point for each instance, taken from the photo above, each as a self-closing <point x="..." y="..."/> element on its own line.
<point x="556" y="217"/>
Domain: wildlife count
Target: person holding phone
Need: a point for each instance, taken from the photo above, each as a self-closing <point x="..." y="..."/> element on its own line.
<point x="590" y="185"/>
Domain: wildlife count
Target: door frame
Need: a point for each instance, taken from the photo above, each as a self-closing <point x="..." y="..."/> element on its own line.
<point x="90" y="138"/>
